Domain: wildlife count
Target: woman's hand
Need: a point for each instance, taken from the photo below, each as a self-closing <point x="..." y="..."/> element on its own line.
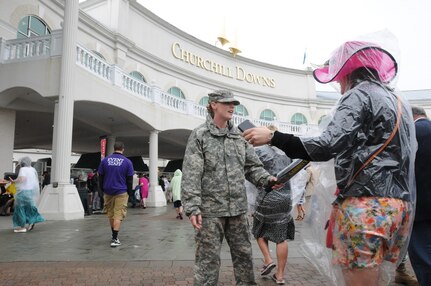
<point x="258" y="136"/>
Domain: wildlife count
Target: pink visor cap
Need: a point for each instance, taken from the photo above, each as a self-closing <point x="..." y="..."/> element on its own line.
<point x="353" y="55"/>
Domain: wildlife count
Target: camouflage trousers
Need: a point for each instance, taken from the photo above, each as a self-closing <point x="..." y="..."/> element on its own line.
<point x="208" y="245"/>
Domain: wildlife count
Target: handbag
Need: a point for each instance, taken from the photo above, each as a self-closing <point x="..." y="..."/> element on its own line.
<point x="330" y="223"/>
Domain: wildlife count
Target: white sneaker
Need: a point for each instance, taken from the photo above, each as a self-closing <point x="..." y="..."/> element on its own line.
<point x="115" y="242"/>
<point x="20" y="230"/>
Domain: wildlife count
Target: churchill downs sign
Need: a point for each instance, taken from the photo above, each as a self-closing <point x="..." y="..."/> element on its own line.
<point x="236" y="72"/>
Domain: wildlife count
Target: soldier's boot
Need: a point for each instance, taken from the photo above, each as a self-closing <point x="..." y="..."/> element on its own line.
<point x="403" y="277"/>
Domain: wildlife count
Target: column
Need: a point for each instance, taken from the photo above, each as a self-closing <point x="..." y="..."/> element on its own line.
<point x="156" y="196"/>
<point x="60" y="200"/>
<point x="110" y="141"/>
<point x="7" y="139"/>
<point x="54" y="141"/>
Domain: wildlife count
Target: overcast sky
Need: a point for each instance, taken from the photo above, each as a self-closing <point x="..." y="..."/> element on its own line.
<point x="280" y="31"/>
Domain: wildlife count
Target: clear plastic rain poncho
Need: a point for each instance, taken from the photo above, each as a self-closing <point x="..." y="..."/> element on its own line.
<point x="27" y="195"/>
<point x="369" y="147"/>
<point x="28" y="180"/>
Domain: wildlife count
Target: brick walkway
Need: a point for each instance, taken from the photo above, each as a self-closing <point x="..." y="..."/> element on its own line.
<point x="156" y="250"/>
<point x="134" y="273"/>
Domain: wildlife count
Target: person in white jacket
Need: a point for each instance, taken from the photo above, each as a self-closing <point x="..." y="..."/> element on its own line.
<point x="175" y="188"/>
<point x="25" y="210"/>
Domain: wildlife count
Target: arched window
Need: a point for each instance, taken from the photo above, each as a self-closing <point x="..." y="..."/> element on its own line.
<point x="99" y="55"/>
<point x="298" y="119"/>
<point x="31" y="26"/>
<point x="137" y="75"/>
<point x="267" y="114"/>
<point x="176" y="92"/>
<point x="241" y="110"/>
<point x="204" y="101"/>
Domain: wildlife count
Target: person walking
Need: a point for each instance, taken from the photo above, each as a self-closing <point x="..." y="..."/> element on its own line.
<point x="26" y="197"/>
<point x="175" y="188"/>
<point x="371" y="139"/>
<point x="420" y="241"/>
<point x="115" y="179"/>
<point x="216" y="163"/>
<point x="144" y="186"/>
<point x="272" y="220"/>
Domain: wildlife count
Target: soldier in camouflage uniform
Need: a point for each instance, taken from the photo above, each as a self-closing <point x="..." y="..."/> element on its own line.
<point x="216" y="163"/>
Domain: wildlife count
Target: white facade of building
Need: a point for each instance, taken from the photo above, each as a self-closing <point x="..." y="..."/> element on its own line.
<point x="64" y="90"/>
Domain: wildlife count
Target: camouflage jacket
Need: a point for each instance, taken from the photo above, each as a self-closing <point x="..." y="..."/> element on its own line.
<point x="216" y="164"/>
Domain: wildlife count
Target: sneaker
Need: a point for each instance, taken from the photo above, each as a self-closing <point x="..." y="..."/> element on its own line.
<point x="115" y="242"/>
<point x="20" y="230"/>
<point x="266" y="269"/>
<point x="402" y="277"/>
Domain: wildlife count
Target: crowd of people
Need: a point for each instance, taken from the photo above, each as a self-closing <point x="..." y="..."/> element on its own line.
<point x="371" y="140"/>
<point x="379" y="146"/>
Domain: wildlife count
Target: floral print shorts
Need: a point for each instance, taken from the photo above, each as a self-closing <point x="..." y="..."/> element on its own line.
<point x="370" y="230"/>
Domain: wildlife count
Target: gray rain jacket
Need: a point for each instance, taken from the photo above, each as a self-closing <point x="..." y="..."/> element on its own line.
<point x="216" y="164"/>
<point x="362" y="122"/>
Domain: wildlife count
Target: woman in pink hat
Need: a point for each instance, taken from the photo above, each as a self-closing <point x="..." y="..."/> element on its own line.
<point x="371" y="139"/>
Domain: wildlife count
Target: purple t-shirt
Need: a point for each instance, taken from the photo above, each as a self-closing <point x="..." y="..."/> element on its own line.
<point x="115" y="169"/>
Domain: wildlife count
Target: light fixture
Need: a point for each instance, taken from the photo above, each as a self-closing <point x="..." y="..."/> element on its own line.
<point x="223" y="41"/>
<point x="234" y="51"/>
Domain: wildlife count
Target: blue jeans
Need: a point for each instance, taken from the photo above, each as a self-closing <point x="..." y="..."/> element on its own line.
<point x="420" y="251"/>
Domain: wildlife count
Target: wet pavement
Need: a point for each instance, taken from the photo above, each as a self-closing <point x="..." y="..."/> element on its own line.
<point x="157" y="249"/>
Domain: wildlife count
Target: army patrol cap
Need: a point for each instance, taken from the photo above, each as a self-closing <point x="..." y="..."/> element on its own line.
<point x="222" y="96"/>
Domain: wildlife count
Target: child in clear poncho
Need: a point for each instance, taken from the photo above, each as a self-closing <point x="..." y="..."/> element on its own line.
<point x="27" y="195"/>
<point x="371" y="138"/>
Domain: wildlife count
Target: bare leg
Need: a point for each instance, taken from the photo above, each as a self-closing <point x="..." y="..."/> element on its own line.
<point x="362" y="277"/>
<point x="180" y="210"/>
<point x="263" y="245"/>
<point x="302" y="211"/>
<point x="282" y="251"/>
<point x="115" y="224"/>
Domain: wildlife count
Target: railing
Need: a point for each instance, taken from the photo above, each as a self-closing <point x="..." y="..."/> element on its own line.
<point x="173" y="102"/>
<point x="30" y="48"/>
<point x="136" y="86"/>
<point x="50" y="45"/>
<point x="92" y="63"/>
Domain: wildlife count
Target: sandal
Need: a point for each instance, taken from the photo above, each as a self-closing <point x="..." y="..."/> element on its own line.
<point x="30" y="227"/>
<point x="277" y="281"/>
<point x="299" y="217"/>
<point x="267" y="269"/>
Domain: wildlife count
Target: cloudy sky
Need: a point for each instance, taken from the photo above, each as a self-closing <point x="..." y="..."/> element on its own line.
<point x="280" y="31"/>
